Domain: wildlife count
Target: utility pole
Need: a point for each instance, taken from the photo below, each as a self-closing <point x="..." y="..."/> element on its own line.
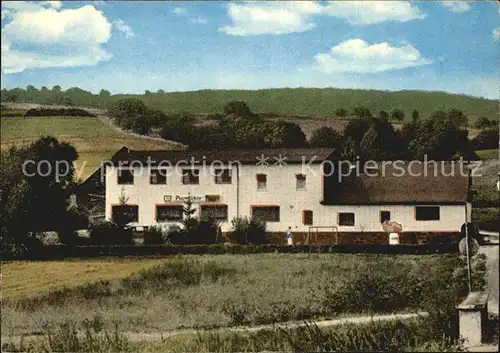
<point x="467" y="246"/>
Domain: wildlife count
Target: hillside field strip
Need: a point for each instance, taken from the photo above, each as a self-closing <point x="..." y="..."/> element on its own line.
<point x="93" y="140"/>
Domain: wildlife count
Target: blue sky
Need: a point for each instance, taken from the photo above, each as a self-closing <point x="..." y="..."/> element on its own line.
<point x="129" y="47"/>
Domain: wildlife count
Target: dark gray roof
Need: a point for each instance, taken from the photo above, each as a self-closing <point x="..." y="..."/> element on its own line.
<point x="244" y="156"/>
<point x="438" y="185"/>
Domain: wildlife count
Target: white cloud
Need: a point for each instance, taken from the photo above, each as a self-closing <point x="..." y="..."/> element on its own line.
<point x="14" y="61"/>
<point x="356" y="55"/>
<point x="180" y="11"/>
<point x="371" y="12"/>
<point x="56" y="38"/>
<point x="496" y="33"/>
<point x="124" y="28"/>
<point x="270" y="18"/>
<point x="456" y="6"/>
<point x="55" y="4"/>
<point x="255" y="18"/>
<point x="199" y="20"/>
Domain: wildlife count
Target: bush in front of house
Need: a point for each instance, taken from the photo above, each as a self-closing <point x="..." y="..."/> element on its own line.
<point x="195" y="231"/>
<point x="154" y="236"/>
<point x="248" y="231"/>
<point x="109" y="233"/>
<point x="72" y="221"/>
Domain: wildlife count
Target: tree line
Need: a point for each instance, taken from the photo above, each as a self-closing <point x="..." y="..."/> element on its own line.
<point x="441" y="136"/>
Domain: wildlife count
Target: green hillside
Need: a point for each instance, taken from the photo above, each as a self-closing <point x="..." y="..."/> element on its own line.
<point x="283" y="101"/>
<point x="314" y="102"/>
<point x="94" y="140"/>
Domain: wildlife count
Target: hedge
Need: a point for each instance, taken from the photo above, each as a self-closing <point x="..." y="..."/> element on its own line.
<point x="58" y="112"/>
<point x="56" y="252"/>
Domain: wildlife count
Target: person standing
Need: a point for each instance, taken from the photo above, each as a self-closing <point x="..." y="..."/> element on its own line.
<point x="289" y="239"/>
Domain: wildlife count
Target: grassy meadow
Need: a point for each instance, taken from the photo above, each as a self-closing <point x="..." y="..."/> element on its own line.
<point x="94" y="140"/>
<point x="488" y="154"/>
<point x="25" y="279"/>
<point x="224" y="290"/>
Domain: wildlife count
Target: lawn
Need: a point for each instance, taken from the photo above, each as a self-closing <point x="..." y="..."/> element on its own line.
<point x="94" y="140"/>
<point x="488" y="154"/>
<point x="31" y="278"/>
<point x="224" y="290"/>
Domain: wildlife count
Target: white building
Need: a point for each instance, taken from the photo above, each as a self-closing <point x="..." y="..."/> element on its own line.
<point x="284" y="187"/>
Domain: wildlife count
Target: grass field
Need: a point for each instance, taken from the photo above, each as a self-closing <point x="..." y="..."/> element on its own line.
<point x="24" y="279"/>
<point x="94" y="140"/>
<point x="223" y="290"/>
<point x="488" y="154"/>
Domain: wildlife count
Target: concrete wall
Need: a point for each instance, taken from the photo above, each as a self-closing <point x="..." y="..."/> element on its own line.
<point x="281" y="191"/>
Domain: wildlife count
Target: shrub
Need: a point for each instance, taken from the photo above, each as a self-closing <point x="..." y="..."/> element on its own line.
<point x="73" y="220"/>
<point x="109" y="233"/>
<point x="485" y="196"/>
<point x="486" y="139"/>
<point x="154" y="236"/>
<point x="484" y="123"/>
<point x="58" y="112"/>
<point x="374" y="293"/>
<point x="248" y="231"/>
<point x="341" y="113"/>
<point x="195" y="231"/>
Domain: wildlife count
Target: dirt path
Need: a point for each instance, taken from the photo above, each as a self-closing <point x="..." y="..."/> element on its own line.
<point x="157" y="336"/>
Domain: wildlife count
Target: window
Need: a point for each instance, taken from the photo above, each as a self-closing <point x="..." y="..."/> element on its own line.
<point x="217" y="212"/>
<point x="307" y="217"/>
<point x="346" y="219"/>
<point x="125" y="176"/>
<point x="123" y="214"/>
<point x="190" y="176"/>
<point x="385" y="216"/>
<point x="158" y="176"/>
<point x="300" y="181"/>
<point x="266" y="213"/>
<point x="222" y="176"/>
<point x="427" y="213"/>
<point x="261" y="181"/>
<point x="169" y="213"/>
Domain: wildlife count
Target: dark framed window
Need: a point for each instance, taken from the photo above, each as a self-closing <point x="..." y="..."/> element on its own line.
<point x="300" y="181"/>
<point x="385" y="216"/>
<point x="307" y="217"/>
<point x="427" y="213"/>
<point x="223" y="176"/>
<point x="261" y="181"/>
<point x="190" y="176"/>
<point x="158" y="176"/>
<point x="123" y="214"/>
<point x="165" y="213"/>
<point x="346" y="219"/>
<point x="125" y="177"/>
<point x="266" y="213"/>
<point x="217" y="212"/>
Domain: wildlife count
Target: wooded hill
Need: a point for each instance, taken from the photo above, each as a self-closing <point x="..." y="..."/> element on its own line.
<point x="283" y="101"/>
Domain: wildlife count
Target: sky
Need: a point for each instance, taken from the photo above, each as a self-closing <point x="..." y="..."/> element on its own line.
<point x="130" y="47"/>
